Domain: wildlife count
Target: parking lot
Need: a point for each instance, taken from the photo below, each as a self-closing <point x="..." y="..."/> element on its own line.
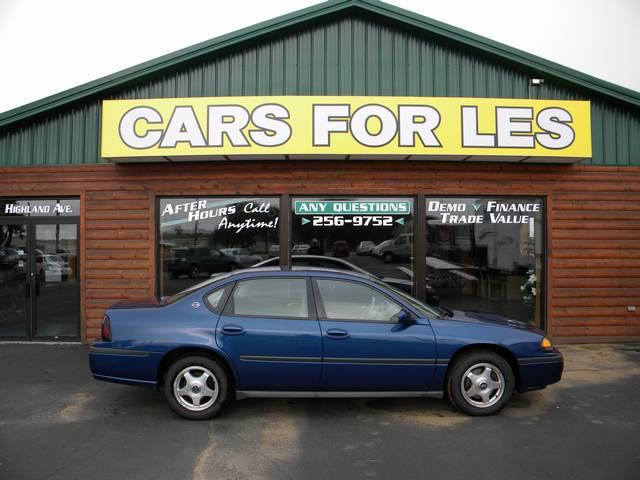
<point x="56" y="422"/>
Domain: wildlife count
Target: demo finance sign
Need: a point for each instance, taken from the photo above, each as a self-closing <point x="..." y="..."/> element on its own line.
<point x="315" y="126"/>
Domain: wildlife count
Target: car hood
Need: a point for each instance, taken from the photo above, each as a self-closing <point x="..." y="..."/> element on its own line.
<point x="490" y="319"/>
<point x="151" y="302"/>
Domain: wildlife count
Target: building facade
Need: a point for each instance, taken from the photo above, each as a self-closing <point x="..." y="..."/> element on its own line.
<point x="550" y="240"/>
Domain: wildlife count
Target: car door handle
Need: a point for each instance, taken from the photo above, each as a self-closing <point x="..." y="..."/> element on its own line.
<point x="337" y="333"/>
<point x="232" y="330"/>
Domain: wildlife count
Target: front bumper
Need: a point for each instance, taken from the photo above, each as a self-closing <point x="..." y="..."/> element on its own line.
<point x="538" y="372"/>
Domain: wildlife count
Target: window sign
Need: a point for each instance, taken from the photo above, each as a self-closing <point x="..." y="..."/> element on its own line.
<point x="39" y="208"/>
<point x="486" y="254"/>
<point x="204" y="236"/>
<point x="373" y="236"/>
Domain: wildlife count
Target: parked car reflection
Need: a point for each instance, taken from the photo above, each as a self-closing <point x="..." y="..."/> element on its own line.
<point x="365" y="247"/>
<point x="378" y="249"/>
<point x="340" y="248"/>
<point x="398" y="249"/>
<point x="244" y="257"/>
<point x="52" y="268"/>
<point x="300" y="249"/>
<point x="9" y="257"/>
<point x="274" y="250"/>
<point x="194" y="262"/>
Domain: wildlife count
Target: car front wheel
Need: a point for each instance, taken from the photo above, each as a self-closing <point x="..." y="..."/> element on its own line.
<point x="196" y="387"/>
<point x="480" y="383"/>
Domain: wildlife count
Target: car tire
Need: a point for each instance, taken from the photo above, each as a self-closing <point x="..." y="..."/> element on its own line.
<point x="188" y="395"/>
<point x="480" y="383"/>
<point x="388" y="257"/>
<point x="233" y="267"/>
<point x="194" y="271"/>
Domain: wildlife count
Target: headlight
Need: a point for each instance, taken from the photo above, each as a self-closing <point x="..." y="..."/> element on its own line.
<point x="545" y="344"/>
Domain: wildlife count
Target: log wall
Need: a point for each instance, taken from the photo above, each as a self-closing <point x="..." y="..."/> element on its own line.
<point x="593" y="222"/>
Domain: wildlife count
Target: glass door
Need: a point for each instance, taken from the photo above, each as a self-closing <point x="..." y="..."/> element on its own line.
<point x="39" y="279"/>
<point x="56" y="294"/>
<point x="14" y="289"/>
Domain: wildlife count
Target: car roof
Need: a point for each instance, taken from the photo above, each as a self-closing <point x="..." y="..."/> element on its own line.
<point x="279" y="271"/>
<point x="312" y="257"/>
<point x="355" y="268"/>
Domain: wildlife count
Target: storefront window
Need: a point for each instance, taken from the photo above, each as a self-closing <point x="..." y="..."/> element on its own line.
<point x="486" y="254"/>
<point x="203" y="236"/>
<point x="367" y="235"/>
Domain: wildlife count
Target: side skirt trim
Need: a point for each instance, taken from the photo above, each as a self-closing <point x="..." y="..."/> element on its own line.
<point x="242" y="394"/>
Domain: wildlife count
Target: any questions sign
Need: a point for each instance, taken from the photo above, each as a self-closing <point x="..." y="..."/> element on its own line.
<point x="420" y="127"/>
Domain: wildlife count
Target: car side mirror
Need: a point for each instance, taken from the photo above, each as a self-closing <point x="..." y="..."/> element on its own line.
<point x="405" y="318"/>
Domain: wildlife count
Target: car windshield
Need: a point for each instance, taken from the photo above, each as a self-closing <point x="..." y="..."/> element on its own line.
<point x="177" y="296"/>
<point x="423" y="308"/>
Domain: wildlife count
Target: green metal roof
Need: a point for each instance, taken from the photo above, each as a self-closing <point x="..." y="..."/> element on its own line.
<point x="300" y="18"/>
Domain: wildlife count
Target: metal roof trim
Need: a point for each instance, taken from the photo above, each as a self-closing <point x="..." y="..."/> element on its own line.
<point x="314" y="12"/>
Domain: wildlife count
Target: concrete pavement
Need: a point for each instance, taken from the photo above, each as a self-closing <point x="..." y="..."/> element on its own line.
<point x="56" y="422"/>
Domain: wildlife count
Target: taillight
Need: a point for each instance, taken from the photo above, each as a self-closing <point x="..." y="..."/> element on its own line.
<point x="106" y="329"/>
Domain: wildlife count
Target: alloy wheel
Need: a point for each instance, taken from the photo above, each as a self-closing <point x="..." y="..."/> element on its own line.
<point x="196" y="388"/>
<point x="482" y="385"/>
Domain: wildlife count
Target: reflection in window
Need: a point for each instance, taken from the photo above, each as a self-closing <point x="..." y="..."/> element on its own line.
<point x="200" y="237"/>
<point x="373" y="236"/>
<point x="485" y="254"/>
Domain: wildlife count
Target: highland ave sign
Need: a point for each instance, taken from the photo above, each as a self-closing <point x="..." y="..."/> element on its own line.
<point x="360" y="127"/>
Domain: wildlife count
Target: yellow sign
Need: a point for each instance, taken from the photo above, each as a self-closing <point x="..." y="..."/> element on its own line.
<point x="418" y="127"/>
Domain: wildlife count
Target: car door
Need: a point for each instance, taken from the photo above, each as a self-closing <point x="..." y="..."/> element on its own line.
<point x="365" y="346"/>
<point x="270" y="331"/>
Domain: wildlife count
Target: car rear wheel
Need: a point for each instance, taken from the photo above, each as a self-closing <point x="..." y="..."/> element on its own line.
<point x="194" y="271"/>
<point x="196" y="387"/>
<point x="480" y="383"/>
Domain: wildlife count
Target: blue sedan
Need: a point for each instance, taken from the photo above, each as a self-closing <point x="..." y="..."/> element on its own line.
<point x="268" y="332"/>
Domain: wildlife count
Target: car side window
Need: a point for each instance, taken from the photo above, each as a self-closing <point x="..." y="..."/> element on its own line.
<point x="215" y="298"/>
<point x="354" y="301"/>
<point x="270" y="297"/>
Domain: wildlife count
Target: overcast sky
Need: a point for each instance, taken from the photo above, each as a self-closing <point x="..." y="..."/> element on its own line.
<point x="48" y="46"/>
